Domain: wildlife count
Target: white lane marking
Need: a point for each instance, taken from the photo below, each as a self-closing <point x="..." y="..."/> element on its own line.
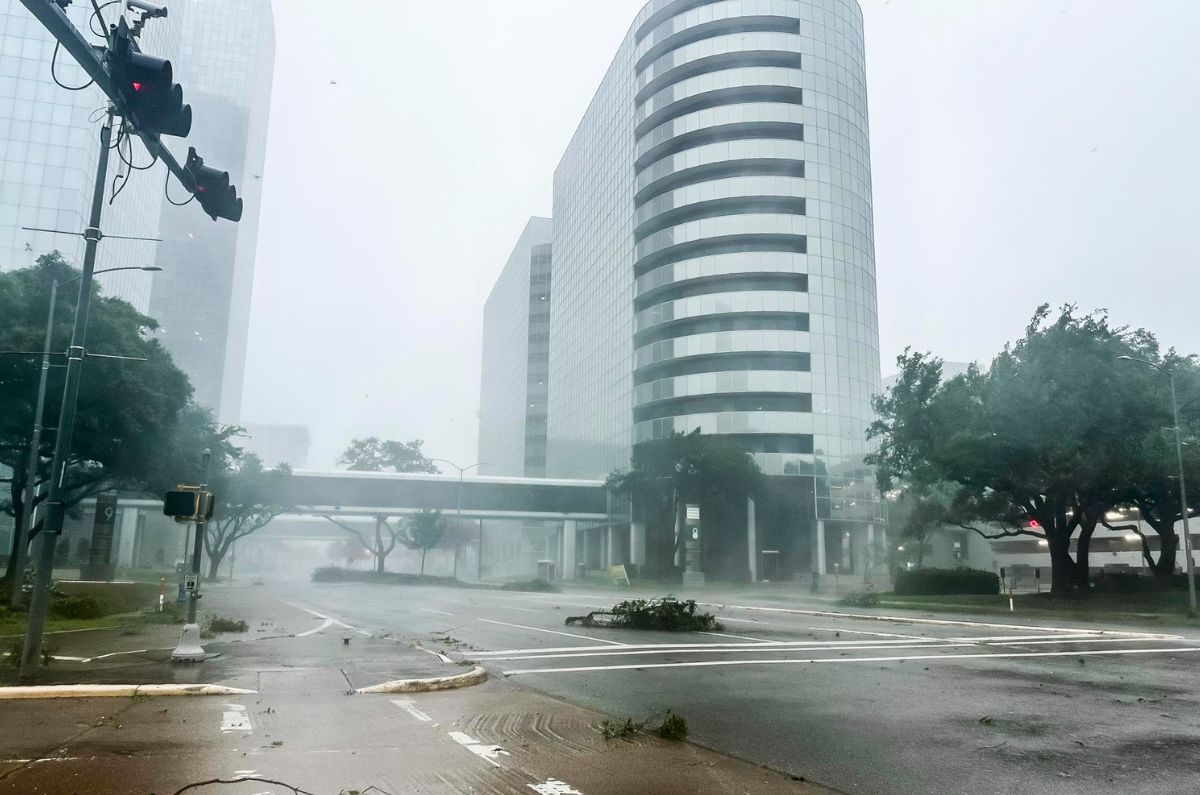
<point x="488" y="753"/>
<point x="940" y="621"/>
<point x="1056" y="641"/>
<point x="406" y="704"/>
<point x="552" y="632"/>
<point x="522" y="609"/>
<point x="341" y="624"/>
<point x="431" y="610"/>
<point x="740" y="637"/>
<point x="553" y="786"/>
<point x="235" y="719"/>
<point x="247" y="773"/>
<point x="864" y="632"/>
<point x="437" y="654"/>
<point x="325" y="625"/>
<point x="710" y="645"/>
<point x="774" y="649"/>
<point x="714" y="663"/>
<point x="115" y="654"/>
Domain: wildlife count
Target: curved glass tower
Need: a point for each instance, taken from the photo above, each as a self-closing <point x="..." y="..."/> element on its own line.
<point x="754" y="257"/>
<point x="714" y="261"/>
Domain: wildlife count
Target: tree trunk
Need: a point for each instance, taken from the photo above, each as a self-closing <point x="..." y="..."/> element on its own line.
<point x="1168" y="542"/>
<point x="380" y="555"/>
<point x="1062" y="567"/>
<point x="1083" y="581"/>
<point x="214" y="564"/>
<point x="424" y="552"/>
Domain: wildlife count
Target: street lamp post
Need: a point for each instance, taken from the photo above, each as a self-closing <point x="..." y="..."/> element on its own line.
<point x="1183" y="506"/>
<point x="26" y="526"/>
<point x="458" y="518"/>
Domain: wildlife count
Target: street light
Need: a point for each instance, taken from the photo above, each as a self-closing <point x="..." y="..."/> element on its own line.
<point x="461" y="472"/>
<point x="1187" y="538"/>
<point x="26" y="526"/>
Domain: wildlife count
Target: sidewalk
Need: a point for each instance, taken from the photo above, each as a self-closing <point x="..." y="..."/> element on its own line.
<point x="280" y="637"/>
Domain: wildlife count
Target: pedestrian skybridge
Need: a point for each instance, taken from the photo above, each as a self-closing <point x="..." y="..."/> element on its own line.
<point x="482" y="497"/>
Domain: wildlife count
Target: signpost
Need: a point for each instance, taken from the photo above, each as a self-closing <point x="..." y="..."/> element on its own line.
<point x="191" y="504"/>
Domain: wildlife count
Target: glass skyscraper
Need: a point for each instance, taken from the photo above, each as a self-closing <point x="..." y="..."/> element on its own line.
<point x="202" y="298"/>
<point x="714" y="263"/>
<point x="49" y="144"/>
<point x="223" y="53"/>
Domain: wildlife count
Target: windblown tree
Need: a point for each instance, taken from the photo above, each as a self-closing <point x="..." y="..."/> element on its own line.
<point x="667" y="474"/>
<point x="383" y="455"/>
<point x="1039" y="445"/>
<point x="248" y="496"/>
<point x="425" y="531"/>
<point x="126" y="409"/>
<point x="379" y="545"/>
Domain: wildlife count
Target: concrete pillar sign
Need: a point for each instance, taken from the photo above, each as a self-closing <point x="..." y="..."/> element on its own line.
<point x="870" y="552"/>
<point x="819" y="547"/>
<point x="752" y="538"/>
<point x="637" y="543"/>
<point x="568" y="549"/>
<point x="692" y="573"/>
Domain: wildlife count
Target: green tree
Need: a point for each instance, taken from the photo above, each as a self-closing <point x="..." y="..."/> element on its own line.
<point x="425" y="531"/>
<point x="1038" y="445"/>
<point x="379" y="455"/>
<point x="125" y="408"/>
<point x="667" y="474"/>
<point x="248" y="496"/>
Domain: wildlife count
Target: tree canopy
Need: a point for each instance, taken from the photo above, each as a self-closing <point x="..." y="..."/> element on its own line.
<point x="384" y="455"/>
<point x="125" y="409"/>
<point x="425" y="531"/>
<point x="1054" y="435"/>
<point x="667" y="474"/>
<point x="248" y="496"/>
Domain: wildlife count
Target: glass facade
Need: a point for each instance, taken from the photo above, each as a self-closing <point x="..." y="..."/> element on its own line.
<point x="49" y="145"/>
<point x="222" y="53"/>
<point x="202" y="297"/>
<point x="714" y="248"/>
<point x="516" y="349"/>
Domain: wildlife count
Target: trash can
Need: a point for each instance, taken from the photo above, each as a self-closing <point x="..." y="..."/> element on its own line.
<point x="545" y="569"/>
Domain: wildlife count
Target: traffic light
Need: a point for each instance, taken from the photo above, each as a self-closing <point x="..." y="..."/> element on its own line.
<point x="218" y="198"/>
<point x="147" y="93"/>
<point x="181" y="504"/>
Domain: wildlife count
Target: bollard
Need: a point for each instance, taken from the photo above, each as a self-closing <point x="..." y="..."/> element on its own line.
<point x="162" y="593"/>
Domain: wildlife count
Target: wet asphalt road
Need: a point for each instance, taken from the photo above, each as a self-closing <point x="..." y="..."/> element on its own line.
<point x="901" y="706"/>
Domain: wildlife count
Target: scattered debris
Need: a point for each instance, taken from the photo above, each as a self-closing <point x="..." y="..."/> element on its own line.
<point x="666" y="614"/>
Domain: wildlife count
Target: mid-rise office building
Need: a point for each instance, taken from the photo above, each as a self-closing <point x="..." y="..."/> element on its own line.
<point x="516" y="350"/>
<point x="713" y="265"/>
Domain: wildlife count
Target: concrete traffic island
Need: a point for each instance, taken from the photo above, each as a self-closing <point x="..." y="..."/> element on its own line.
<point x="475" y="676"/>
<point x="117" y="691"/>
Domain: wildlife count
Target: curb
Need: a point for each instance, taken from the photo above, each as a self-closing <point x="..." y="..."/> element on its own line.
<point x="475" y="676"/>
<point x="117" y="691"/>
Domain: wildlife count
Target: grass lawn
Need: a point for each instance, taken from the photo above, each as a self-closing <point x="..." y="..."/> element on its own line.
<point x="1156" y="608"/>
<point x="14" y="626"/>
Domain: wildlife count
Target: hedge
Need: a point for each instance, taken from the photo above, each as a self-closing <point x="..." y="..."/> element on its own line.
<point x="928" y="582"/>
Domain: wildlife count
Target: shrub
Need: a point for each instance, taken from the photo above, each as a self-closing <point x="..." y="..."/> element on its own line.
<point x="329" y="574"/>
<point x="926" y="582"/>
<point x="674" y="727"/>
<point x="17" y="647"/>
<point x="666" y="614"/>
<point x="538" y="585"/>
<point x="218" y="624"/>
<point x="623" y="731"/>
<point x="83" y="607"/>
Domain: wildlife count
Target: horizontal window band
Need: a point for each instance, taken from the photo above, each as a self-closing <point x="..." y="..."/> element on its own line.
<point x="667" y="12"/>
<point x="714" y="99"/>
<point x="717" y="63"/>
<point x="716" y="208"/>
<point x="718" y="27"/>
<point x="723" y="321"/>
<point x="726" y="244"/>
<point x="723" y="402"/>
<point x="723" y="363"/>
<point x="749" y="167"/>
<point x="724" y="283"/>
<point x="739" y="131"/>
<point x="794" y="444"/>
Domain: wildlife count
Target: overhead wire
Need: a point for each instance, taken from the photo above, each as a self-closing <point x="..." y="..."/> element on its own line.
<point x="54" y="74"/>
<point x="167" y="193"/>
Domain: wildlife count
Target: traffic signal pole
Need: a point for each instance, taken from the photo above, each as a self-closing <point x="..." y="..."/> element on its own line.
<point x="189" y="648"/>
<point x="31" y="651"/>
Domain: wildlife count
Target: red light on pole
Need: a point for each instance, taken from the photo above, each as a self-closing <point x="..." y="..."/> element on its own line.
<point x="1033" y="524"/>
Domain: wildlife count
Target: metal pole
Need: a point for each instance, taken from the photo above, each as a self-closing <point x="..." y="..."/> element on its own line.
<point x="189" y="648"/>
<point x="458" y="520"/>
<point x="1187" y="537"/>
<point x="35" y="446"/>
<point x="32" y="650"/>
<point x="479" y="556"/>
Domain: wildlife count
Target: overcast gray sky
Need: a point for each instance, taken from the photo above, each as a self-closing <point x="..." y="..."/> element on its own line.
<point x="1024" y="151"/>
